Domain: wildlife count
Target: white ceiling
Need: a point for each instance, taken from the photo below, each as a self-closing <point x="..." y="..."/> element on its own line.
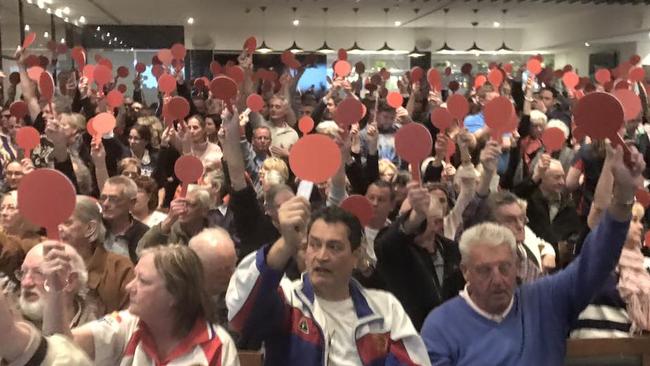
<point x="521" y="14"/>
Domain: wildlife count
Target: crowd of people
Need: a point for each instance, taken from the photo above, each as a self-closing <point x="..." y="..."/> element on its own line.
<point x="496" y="256"/>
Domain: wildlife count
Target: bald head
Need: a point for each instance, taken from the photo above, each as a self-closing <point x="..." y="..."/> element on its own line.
<point x="217" y="252"/>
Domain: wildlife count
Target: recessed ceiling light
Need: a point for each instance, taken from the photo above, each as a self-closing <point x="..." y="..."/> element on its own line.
<point x="587" y="44"/>
<point x="82" y="20"/>
<point x="398" y="23"/>
<point x="496" y="24"/>
<point x="190" y="20"/>
<point x="27" y="28"/>
<point x="296" y="22"/>
<point x="66" y="10"/>
<point x="46" y="34"/>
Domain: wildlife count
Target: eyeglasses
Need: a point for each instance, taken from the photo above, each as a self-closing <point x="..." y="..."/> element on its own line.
<point x="36" y="274"/>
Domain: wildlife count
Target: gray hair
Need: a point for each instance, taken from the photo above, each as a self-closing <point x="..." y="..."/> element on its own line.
<point x="88" y="209"/>
<point x="129" y="186"/>
<point x="537" y="116"/>
<point x="77" y="265"/>
<point x="488" y="234"/>
<point x="202" y="196"/>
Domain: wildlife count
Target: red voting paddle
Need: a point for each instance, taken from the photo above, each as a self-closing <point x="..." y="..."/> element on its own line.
<point x="600" y="115"/>
<point x="495" y="77"/>
<point x="603" y="76"/>
<point x="224" y="88"/>
<point x="46" y="87"/>
<point x="140" y="67"/>
<point x="114" y="98"/>
<point x="29" y="39"/>
<point x="417" y="73"/>
<point x="18" y="109"/>
<point x="413" y="143"/>
<point x="479" y="81"/>
<point x="165" y="56"/>
<point x="348" y="112"/>
<point x="178" y="51"/>
<point x="636" y="74"/>
<point x="236" y="73"/>
<point x="360" y="207"/>
<point x="27" y="139"/>
<point x="314" y="159"/>
<point x="103" y="123"/>
<point x="46" y="198"/>
<point x="166" y="83"/>
<point x="102" y="75"/>
<point x="250" y="45"/>
<point x="498" y="115"/>
<point x="178" y="108"/>
<point x="553" y="139"/>
<point x="570" y="79"/>
<point x="631" y="103"/>
<point x="394" y="99"/>
<point x="643" y="197"/>
<point x="188" y="170"/>
<point x="79" y="56"/>
<point x="255" y="102"/>
<point x="458" y="107"/>
<point x="342" y="68"/>
<point x="305" y="124"/>
<point x="434" y="79"/>
<point x="215" y="68"/>
<point x="441" y="118"/>
<point x="122" y="72"/>
<point x="534" y="65"/>
<point x="35" y="72"/>
<point x="343" y="54"/>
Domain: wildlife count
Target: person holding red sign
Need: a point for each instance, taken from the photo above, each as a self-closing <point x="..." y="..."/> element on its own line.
<point x="335" y="320"/>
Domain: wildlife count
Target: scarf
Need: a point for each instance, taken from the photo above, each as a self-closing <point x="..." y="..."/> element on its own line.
<point x="634" y="288"/>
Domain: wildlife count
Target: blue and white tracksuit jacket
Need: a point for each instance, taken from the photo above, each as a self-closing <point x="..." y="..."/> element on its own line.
<point x="281" y="313"/>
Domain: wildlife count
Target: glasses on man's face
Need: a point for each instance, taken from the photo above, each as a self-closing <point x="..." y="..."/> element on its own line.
<point x="34" y="273"/>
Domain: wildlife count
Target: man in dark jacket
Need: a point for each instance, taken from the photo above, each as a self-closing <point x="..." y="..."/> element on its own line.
<point x="421" y="268"/>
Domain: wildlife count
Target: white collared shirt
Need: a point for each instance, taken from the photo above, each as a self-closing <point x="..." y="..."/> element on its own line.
<point x="498" y="318"/>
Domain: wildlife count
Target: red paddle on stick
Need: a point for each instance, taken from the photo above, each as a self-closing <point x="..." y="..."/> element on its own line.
<point x="413" y="143"/>
<point x="360" y="207"/>
<point x="46" y="198"/>
<point x="188" y="170"/>
<point x="27" y="139"/>
<point x="314" y="159"/>
<point x="600" y="115"/>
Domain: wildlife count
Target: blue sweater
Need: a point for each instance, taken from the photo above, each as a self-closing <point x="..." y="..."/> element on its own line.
<point x="535" y="330"/>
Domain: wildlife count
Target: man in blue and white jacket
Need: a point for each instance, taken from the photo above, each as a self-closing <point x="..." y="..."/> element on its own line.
<point x="325" y="318"/>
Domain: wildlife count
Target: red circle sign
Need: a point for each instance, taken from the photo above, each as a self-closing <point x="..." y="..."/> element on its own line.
<point x="315" y="158"/>
<point x="305" y="124"/>
<point x="250" y="45"/>
<point x="413" y="143"/>
<point x="46" y="86"/>
<point x="114" y="98"/>
<point x="342" y="68"/>
<point x="441" y="118"/>
<point x="18" y="109"/>
<point x="570" y="79"/>
<point x="630" y="101"/>
<point x="458" y="106"/>
<point x="417" y="73"/>
<point x="534" y="65"/>
<point x="495" y="77"/>
<point x="46" y="188"/>
<point x="360" y="207"/>
<point x="599" y="115"/>
<point x="255" y="102"/>
<point x="188" y="169"/>
<point x="498" y="113"/>
<point x="348" y="112"/>
<point x="434" y="79"/>
<point x="140" y="67"/>
<point x="165" y="56"/>
<point x="603" y="76"/>
<point x="104" y="123"/>
<point x="553" y="139"/>
<point x="29" y="39"/>
<point x="178" y="108"/>
<point x="27" y="138"/>
<point x="178" y="51"/>
<point x="102" y="75"/>
<point x="394" y="99"/>
<point x="79" y="56"/>
<point x="223" y="88"/>
<point x="122" y="72"/>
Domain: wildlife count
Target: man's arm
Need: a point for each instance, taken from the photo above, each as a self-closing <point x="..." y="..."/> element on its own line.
<point x="27" y="86"/>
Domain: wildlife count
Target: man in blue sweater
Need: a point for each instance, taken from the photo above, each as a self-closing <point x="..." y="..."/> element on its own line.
<point x="493" y="322"/>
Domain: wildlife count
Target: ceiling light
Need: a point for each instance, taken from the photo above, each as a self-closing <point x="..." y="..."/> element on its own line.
<point x="445" y="47"/>
<point x="99" y="28"/>
<point x="496" y="24"/>
<point x="398" y="23"/>
<point x="66" y="10"/>
<point x="296" y="22"/>
<point x="30" y="2"/>
<point x="190" y="20"/>
<point x="40" y="3"/>
<point x="415" y="53"/>
<point x="49" y="11"/>
<point x="115" y="39"/>
<point x="355" y="49"/>
<point x="62" y="40"/>
<point x="263" y="48"/>
<point x="108" y="34"/>
<point x="325" y="49"/>
<point x="66" y="19"/>
<point x="82" y="20"/>
<point x="294" y="48"/>
<point x="587" y="44"/>
<point x="504" y="48"/>
<point x="46" y="34"/>
<point x="58" y="12"/>
<point x="27" y="28"/>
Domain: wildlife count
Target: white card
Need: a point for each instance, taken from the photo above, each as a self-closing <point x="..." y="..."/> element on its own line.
<point x="304" y="189"/>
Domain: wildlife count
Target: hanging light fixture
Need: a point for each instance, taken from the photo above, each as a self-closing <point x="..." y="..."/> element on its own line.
<point x="416" y="53"/>
<point x="355" y="49"/>
<point x="445" y="47"/>
<point x="504" y="48"/>
<point x="294" y="48"/>
<point x="263" y="48"/>
<point x="475" y="49"/>
<point x="386" y="48"/>
<point x="325" y="49"/>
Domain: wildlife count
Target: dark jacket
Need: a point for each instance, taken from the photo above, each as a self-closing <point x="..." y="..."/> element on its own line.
<point x="566" y="226"/>
<point x="408" y="270"/>
<point x="253" y="227"/>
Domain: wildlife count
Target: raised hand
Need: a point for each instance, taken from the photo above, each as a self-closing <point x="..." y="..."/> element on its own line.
<point x="490" y="156"/>
<point x="293" y="216"/>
